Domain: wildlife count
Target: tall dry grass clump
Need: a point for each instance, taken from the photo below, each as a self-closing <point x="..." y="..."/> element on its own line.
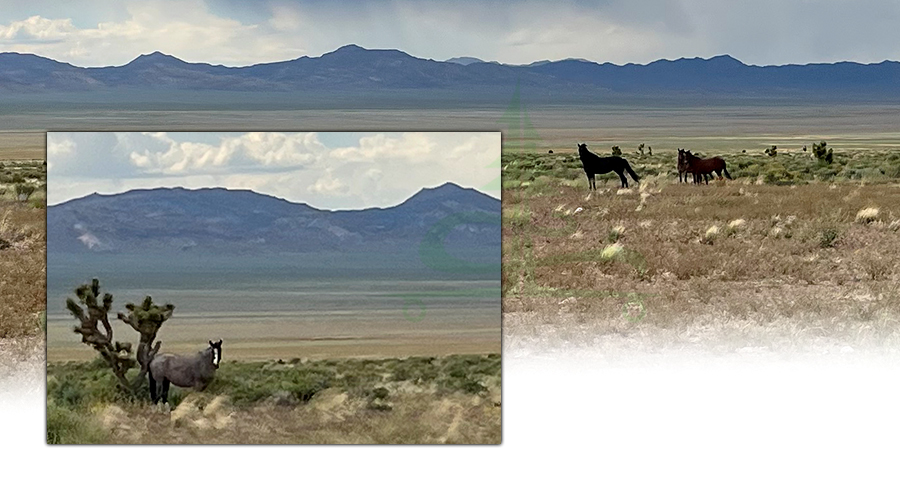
<point x="610" y="252"/>
<point x="711" y="234"/>
<point x="867" y="215"/>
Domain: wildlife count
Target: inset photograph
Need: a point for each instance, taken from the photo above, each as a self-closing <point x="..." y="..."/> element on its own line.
<point x="273" y="288"/>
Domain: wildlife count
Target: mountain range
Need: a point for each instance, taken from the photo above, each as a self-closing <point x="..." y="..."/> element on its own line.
<point x="379" y="72"/>
<point x="218" y="221"/>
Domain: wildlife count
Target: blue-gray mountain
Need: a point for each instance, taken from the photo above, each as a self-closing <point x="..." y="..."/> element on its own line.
<point x="382" y="73"/>
<point x="217" y="221"/>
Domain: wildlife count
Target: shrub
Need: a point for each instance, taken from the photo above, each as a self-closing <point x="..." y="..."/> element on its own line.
<point x="611" y="251"/>
<point x="67" y="426"/>
<point x="772" y="150"/>
<point x="616" y="233"/>
<point x="616" y="151"/>
<point x="828" y="237"/>
<point x="516" y="217"/>
<point x="24" y="191"/>
<point x="779" y="175"/>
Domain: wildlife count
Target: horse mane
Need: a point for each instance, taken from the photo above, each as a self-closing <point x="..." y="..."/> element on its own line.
<point x="587" y="152"/>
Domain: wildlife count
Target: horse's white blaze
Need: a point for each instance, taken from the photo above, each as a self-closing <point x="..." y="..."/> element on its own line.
<point x="216" y="357"/>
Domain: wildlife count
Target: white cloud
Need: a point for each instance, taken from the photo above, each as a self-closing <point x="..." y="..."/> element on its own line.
<point x="328" y="185"/>
<point x="184" y="29"/>
<point x="381" y="169"/>
<point x="620" y="31"/>
<point x="165" y="155"/>
<point x="59" y="147"/>
<point x="37" y="28"/>
<point x="411" y="146"/>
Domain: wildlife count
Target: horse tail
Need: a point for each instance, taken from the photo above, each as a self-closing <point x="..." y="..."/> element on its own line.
<point x="725" y="170"/>
<point x="631" y="172"/>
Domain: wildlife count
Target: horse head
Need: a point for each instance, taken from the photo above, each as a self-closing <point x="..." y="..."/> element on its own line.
<point x="215" y="349"/>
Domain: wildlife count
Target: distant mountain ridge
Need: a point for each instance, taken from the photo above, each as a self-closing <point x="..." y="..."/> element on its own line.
<point x="353" y="68"/>
<point x="218" y="221"/>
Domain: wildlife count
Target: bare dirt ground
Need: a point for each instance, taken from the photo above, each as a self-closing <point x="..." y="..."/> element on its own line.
<point x="316" y="337"/>
<point x="22" y="145"/>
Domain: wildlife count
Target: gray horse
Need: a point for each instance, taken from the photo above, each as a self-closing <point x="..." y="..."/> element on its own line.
<point x="195" y="371"/>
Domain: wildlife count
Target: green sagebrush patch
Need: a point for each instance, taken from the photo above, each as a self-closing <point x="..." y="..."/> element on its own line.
<point x="538" y="173"/>
<point x="80" y="385"/>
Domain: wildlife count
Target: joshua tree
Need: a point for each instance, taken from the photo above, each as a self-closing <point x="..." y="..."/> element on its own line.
<point x="146" y="318"/>
<point x="650" y="150"/>
<point x="616" y="151"/>
<point x="772" y="151"/>
<point x="641" y="149"/>
<point x="821" y="154"/>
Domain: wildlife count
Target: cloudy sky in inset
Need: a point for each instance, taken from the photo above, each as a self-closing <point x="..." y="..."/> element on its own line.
<point x="335" y="170"/>
<point x="234" y="33"/>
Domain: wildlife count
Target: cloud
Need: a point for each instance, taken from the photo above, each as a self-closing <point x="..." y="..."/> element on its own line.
<point x="37" y="28"/>
<point x="59" y="147"/>
<point x="619" y="31"/>
<point x="158" y="153"/>
<point x="187" y="29"/>
<point x="379" y="169"/>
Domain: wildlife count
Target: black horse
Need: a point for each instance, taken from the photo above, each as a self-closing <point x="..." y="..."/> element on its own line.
<point x="594" y="165"/>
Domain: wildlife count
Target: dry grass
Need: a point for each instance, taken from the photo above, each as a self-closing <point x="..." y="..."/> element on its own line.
<point x="734" y="251"/>
<point x="23" y="277"/>
<point x="453" y="399"/>
<point x="331" y="417"/>
<point x="23" y="246"/>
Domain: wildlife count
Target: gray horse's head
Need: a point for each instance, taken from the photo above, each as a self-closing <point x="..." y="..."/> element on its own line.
<point x="215" y="349"/>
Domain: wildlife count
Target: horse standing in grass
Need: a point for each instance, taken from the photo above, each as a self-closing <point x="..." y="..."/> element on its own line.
<point x="195" y="371"/>
<point x="687" y="162"/>
<point x="594" y="165"/>
<point x="684" y="169"/>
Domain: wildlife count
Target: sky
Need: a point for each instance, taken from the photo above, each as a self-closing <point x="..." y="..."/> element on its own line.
<point x="235" y="33"/>
<point x="334" y="170"/>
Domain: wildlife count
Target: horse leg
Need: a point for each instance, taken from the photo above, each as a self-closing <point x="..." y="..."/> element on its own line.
<point x="624" y="180"/>
<point x="165" y="390"/>
<point x="153" y="395"/>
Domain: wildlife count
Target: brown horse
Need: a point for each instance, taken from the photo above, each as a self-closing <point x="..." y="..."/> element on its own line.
<point x="684" y="169"/>
<point x="701" y="168"/>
